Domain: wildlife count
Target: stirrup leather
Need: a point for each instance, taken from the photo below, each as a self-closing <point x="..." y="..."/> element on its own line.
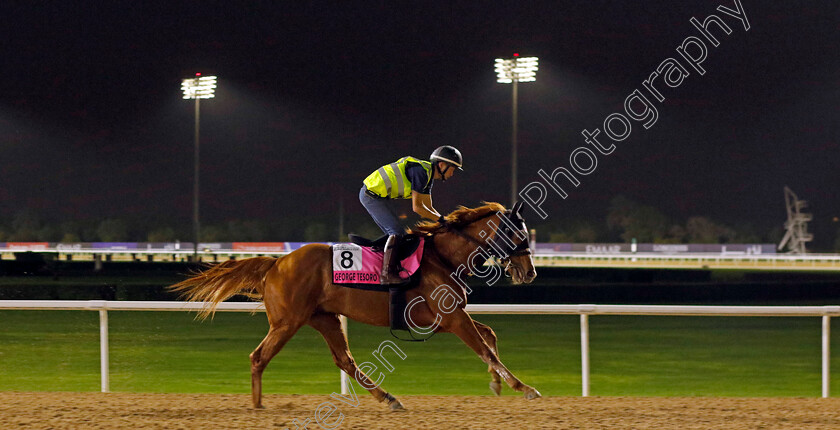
<point x="390" y="263"/>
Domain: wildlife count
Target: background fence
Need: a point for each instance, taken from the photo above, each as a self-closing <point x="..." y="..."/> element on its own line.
<point x="826" y="312"/>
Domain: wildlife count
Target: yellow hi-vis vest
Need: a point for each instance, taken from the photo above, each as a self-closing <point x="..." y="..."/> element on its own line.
<point x="390" y="181"/>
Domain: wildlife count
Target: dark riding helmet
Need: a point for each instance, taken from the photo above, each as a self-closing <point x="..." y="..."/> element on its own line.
<point x="449" y="155"/>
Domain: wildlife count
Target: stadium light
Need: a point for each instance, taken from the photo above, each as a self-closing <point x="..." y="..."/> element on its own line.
<point x="199" y="87"/>
<point x="512" y="71"/>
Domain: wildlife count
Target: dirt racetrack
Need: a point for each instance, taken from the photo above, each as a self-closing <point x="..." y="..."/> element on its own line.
<point x="209" y="411"/>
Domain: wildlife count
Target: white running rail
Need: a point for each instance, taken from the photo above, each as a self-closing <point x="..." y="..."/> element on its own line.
<point x="826" y="312"/>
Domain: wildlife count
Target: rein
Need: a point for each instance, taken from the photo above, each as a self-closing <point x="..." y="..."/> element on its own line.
<point x="523" y="248"/>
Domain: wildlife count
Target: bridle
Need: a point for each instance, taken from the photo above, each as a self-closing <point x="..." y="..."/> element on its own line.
<point x="522" y="248"/>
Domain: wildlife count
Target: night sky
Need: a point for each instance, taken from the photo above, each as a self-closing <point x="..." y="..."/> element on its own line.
<point x="312" y="98"/>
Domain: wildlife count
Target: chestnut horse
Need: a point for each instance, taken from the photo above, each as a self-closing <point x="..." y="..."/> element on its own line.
<point x="297" y="289"/>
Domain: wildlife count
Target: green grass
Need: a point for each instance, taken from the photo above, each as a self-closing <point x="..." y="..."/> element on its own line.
<point x="630" y="355"/>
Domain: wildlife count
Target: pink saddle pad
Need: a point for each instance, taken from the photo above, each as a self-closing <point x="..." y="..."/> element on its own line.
<point x="354" y="264"/>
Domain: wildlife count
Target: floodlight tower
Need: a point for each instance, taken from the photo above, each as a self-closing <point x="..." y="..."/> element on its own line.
<point x="512" y="71"/>
<point x="199" y="87"/>
<point x="796" y="225"/>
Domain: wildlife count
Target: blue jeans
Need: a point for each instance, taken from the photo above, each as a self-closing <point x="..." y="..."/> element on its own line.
<point x="383" y="212"/>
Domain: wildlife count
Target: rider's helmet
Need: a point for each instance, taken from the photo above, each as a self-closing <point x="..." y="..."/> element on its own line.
<point x="447" y="154"/>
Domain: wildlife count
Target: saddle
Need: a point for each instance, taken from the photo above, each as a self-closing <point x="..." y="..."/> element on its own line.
<point x="358" y="264"/>
<point x="405" y="248"/>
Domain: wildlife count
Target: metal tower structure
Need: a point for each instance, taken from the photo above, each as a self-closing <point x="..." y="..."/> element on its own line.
<point x="796" y="225"/>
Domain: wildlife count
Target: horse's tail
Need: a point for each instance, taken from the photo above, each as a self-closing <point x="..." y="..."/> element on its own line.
<point x="224" y="281"/>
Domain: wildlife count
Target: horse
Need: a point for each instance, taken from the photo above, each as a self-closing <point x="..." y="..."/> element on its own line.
<point x="297" y="289"/>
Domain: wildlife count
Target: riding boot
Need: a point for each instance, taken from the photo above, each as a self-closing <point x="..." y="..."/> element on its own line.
<point x="390" y="263"/>
<point x="396" y="314"/>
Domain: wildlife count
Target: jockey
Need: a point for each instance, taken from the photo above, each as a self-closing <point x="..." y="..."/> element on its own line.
<point x="406" y="178"/>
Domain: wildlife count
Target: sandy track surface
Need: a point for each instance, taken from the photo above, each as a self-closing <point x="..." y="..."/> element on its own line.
<point x="209" y="411"/>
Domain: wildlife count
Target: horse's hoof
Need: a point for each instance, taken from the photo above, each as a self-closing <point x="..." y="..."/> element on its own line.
<point x="396" y="406"/>
<point x="496" y="387"/>
<point x="259" y="407"/>
<point x="532" y="394"/>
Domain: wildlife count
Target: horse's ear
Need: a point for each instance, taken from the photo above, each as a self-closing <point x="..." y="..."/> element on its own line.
<point x="516" y="207"/>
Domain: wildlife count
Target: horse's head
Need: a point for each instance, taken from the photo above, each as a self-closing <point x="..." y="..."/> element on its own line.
<point x="518" y="262"/>
<point x="498" y="232"/>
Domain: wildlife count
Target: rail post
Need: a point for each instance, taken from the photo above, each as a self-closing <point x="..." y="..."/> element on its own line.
<point x="826" y="353"/>
<point x="584" y="354"/>
<point x="103" y="350"/>
<point x="344" y="377"/>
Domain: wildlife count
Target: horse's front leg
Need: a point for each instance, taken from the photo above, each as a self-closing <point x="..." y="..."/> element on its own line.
<point x="490" y="338"/>
<point x="461" y="324"/>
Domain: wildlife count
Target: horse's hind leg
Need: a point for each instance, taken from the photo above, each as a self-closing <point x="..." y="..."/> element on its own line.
<point x="330" y="327"/>
<point x="279" y="333"/>
<point x="490" y="338"/>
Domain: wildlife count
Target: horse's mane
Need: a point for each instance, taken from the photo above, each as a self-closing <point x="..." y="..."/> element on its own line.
<point x="458" y="218"/>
